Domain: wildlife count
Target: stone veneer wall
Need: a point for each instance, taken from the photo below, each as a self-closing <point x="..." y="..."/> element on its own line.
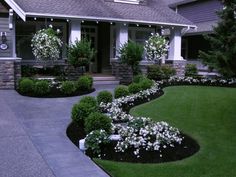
<point x="10" y="73"/>
<point x="122" y="72"/>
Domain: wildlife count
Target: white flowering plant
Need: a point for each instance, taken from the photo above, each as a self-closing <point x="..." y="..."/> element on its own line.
<point x="46" y="45"/>
<point x="95" y="139"/>
<point x="156" y="47"/>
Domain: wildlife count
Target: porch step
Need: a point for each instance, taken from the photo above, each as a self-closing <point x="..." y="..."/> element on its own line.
<point x="105" y="80"/>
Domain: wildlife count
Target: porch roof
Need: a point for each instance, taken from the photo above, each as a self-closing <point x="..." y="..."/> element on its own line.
<point x="154" y="12"/>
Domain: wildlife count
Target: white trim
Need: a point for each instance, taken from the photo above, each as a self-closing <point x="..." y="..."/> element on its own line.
<point x="29" y="14"/>
<point x="17" y="9"/>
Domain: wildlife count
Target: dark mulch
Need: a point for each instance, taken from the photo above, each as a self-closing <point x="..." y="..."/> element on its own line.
<point x="56" y="93"/>
<point x="178" y="152"/>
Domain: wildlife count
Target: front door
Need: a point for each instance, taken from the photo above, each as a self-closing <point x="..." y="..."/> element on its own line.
<point x="90" y="33"/>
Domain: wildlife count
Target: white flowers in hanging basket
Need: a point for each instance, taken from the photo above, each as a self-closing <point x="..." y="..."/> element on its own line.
<point x="46" y="45"/>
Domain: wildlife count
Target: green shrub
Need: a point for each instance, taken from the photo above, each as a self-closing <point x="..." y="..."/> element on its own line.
<point x="104" y="96"/>
<point x="154" y="72"/>
<point x="146" y="84"/>
<point x="138" y="78"/>
<point x="41" y="88"/>
<point x="26" y="85"/>
<point x="84" y="83"/>
<point x="89" y="100"/>
<point x="95" y="139"/>
<point x="68" y="87"/>
<point x="168" y="71"/>
<point x="131" y="54"/>
<point x="97" y="121"/>
<point x="81" y="111"/>
<point x="191" y="70"/>
<point x="134" y="88"/>
<point x="121" y="91"/>
<point x="81" y="53"/>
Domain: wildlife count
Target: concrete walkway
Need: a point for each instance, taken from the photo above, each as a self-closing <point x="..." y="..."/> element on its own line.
<point x="33" y="141"/>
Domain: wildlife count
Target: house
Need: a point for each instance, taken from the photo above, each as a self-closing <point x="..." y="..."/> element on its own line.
<point x="107" y="23"/>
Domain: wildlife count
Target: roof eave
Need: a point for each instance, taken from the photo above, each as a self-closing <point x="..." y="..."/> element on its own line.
<point x="173" y="5"/>
<point x="108" y="19"/>
<point x="17" y="9"/>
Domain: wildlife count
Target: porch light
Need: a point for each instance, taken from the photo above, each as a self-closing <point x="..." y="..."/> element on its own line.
<point x="97" y="22"/>
<point x="161" y="27"/>
<point x="111" y="23"/>
<point x="51" y="19"/>
<point x="67" y="20"/>
<point x="35" y="18"/>
<point x="82" y="21"/>
<point x="173" y="27"/>
<point x="137" y="24"/>
<point x="149" y="26"/>
<point x="125" y="24"/>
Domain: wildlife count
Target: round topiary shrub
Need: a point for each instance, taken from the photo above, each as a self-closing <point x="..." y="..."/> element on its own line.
<point x="146" y="84"/>
<point x="138" y="78"/>
<point x="191" y="70"/>
<point x="89" y="100"/>
<point x="41" y="88"/>
<point x="121" y="91"/>
<point x="81" y="111"/>
<point x="97" y="121"/>
<point x="26" y="86"/>
<point x="134" y="88"/>
<point x="104" y="96"/>
<point x="84" y="83"/>
<point x="68" y="87"/>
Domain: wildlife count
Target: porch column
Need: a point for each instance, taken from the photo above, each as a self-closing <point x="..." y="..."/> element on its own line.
<point x="121" y="36"/>
<point x="175" y="44"/>
<point x="75" y="31"/>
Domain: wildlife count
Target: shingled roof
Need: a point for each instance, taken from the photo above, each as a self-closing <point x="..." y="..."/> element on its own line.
<point x="154" y="12"/>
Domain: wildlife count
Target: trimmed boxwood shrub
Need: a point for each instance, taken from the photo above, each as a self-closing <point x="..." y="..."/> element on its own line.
<point x="41" y="88"/>
<point x="138" y="78"/>
<point x="156" y="72"/>
<point x="104" y="96"/>
<point x="146" y="84"/>
<point x="81" y="111"/>
<point x="168" y="71"/>
<point x="134" y="88"/>
<point x="191" y="70"/>
<point x="26" y="86"/>
<point x="68" y="87"/>
<point x="84" y="83"/>
<point x="121" y="91"/>
<point x="97" y="121"/>
<point x="89" y="100"/>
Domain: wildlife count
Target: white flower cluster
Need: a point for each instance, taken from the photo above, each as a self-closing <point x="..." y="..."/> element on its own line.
<point x="152" y="136"/>
<point x="46" y="45"/>
<point x="114" y="110"/>
<point x="191" y="80"/>
<point x="156" y="47"/>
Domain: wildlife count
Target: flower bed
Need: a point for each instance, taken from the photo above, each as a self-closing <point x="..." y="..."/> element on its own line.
<point x="50" y="88"/>
<point x="142" y="140"/>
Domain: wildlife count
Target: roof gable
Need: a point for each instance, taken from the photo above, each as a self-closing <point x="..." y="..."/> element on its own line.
<point x="3" y="8"/>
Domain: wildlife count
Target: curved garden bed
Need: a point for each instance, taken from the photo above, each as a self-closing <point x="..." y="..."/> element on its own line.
<point x="51" y="88"/>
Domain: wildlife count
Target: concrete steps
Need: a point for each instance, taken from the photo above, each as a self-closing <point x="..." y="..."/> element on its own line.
<point x="105" y="80"/>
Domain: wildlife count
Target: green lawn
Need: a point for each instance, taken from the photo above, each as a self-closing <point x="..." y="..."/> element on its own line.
<point x="208" y="114"/>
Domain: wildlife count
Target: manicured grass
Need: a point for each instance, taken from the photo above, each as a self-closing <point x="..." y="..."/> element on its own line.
<point x="208" y="114"/>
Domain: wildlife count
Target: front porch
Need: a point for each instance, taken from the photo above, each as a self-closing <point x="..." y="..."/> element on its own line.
<point x="106" y="38"/>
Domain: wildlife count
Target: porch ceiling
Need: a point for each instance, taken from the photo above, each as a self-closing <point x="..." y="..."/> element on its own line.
<point x="155" y="12"/>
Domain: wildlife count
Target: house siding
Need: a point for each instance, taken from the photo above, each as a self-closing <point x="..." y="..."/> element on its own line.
<point x="4" y="27"/>
<point x="200" y="11"/>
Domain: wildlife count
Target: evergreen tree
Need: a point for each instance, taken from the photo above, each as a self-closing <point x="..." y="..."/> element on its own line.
<point x="222" y="55"/>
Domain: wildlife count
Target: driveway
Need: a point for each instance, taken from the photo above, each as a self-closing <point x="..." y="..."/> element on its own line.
<point x="33" y="141"/>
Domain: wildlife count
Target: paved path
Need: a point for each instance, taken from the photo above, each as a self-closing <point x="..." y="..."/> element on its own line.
<point x="33" y="141"/>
